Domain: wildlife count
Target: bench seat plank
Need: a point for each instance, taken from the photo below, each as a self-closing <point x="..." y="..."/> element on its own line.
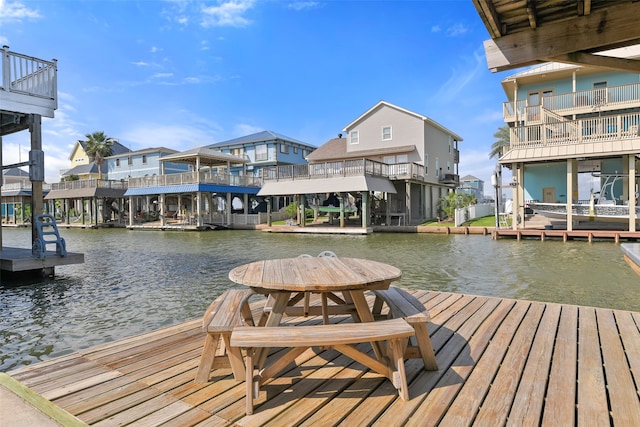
<point x="340" y="337"/>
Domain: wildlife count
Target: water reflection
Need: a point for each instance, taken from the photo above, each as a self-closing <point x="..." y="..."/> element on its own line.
<point x="137" y="281"/>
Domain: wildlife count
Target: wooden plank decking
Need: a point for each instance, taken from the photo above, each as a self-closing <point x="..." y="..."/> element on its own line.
<point x="502" y="362"/>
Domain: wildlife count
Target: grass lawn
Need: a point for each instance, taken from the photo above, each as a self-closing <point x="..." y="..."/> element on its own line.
<point x="485" y="221"/>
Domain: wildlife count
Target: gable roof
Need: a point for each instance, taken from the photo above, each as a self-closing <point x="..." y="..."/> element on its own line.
<point x="336" y="149"/>
<point x="469" y="178"/>
<point x="265" y="135"/>
<point x="116" y="148"/>
<point x="91" y="168"/>
<point x="419" y="116"/>
<point x="15" y="172"/>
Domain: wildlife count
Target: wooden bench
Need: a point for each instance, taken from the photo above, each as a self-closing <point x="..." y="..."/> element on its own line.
<point x="403" y="305"/>
<point x="340" y="337"/>
<point x="229" y="310"/>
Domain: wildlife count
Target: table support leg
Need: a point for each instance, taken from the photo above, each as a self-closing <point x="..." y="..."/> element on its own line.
<point x="364" y="313"/>
<point x="277" y="311"/>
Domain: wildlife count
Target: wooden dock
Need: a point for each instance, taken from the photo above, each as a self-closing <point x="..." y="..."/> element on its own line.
<point x="501" y="362"/>
<point x="17" y="260"/>
<point x="565" y="235"/>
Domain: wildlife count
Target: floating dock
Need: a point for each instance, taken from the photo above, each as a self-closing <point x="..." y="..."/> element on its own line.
<point x="16" y="261"/>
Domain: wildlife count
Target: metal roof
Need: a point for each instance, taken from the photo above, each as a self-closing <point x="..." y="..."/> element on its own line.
<point x="265" y="135"/>
<point x="327" y="185"/>
<point x="190" y="188"/>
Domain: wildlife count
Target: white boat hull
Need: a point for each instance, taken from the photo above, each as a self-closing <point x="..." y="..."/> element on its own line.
<point x="585" y="212"/>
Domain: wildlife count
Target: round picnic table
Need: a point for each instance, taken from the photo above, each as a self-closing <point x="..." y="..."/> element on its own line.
<point x="327" y="276"/>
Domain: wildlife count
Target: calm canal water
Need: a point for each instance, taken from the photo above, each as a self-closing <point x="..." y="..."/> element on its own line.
<point x="137" y="281"/>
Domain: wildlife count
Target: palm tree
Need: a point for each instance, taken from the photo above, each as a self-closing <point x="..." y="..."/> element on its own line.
<point x="98" y="146"/>
<point x="501" y="142"/>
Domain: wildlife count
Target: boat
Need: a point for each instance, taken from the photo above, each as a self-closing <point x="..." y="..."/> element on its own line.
<point x="605" y="208"/>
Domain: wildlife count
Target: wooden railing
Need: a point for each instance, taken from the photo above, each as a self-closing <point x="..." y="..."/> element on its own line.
<point x="595" y="129"/>
<point x="594" y="100"/>
<point x="28" y="75"/>
<point x="357" y="167"/>
<point x="89" y="183"/>
<point x="194" y="178"/>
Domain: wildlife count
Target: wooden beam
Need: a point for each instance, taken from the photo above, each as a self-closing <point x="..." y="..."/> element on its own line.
<point x="489" y="16"/>
<point x="621" y="64"/>
<point x="598" y="31"/>
<point x="531" y="14"/>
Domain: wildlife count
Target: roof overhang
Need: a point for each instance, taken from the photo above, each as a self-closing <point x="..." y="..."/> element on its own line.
<point x="563" y="152"/>
<point x="562" y="31"/>
<point x="327" y="185"/>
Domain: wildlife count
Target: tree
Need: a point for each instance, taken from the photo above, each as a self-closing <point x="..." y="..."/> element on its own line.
<point x="453" y="201"/>
<point x="98" y="146"/>
<point x="502" y="141"/>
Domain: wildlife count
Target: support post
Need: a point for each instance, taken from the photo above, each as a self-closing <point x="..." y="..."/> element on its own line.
<point x="35" y="129"/>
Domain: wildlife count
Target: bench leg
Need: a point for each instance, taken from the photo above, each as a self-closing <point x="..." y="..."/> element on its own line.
<point x="235" y="358"/>
<point x="424" y="344"/>
<point x="249" y="380"/>
<point x="398" y="376"/>
<point x="208" y="355"/>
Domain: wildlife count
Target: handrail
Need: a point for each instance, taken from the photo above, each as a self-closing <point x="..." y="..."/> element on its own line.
<point x="89" y="183"/>
<point x="193" y="177"/>
<point x="28" y="75"/>
<point x="611" y="97"/>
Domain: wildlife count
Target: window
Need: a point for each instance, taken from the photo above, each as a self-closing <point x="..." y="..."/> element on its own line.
<point x="402" y="158"/>
<point x="117" y="163"/>
<point x="295" y="150"/>
<point x="386" y="133"/>
<point x="144" y="159"/>
<point x="448" y="166"/>
<point x="239" y="152"/>
<point x="389" y="160"/>
<point x="354" y="137"/>
<point x="426" y="164"/>
<point x="599" y="93"/>
<point x="129" y="160"/>
<point x="284" y="148"/>
<point x="261" y="153"/>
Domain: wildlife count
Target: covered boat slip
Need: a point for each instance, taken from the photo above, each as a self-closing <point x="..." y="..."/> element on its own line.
<point x="501" y="361"/>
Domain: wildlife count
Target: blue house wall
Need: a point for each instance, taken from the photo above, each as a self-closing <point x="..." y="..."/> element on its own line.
<point x="583" y="82"/>
<point x="142" y="164"/>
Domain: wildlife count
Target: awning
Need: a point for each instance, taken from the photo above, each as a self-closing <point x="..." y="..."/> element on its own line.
<point x="571" y="151"/>
<point x="327" y="185"/>
<point x="190" y="188"/>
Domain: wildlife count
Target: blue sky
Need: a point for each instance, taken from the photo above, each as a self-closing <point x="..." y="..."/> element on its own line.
<point x="183" y="74"/>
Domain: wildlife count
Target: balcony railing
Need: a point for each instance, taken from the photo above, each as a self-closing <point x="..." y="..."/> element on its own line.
<point x="27" y="75"/>
<point x="595" y="100"/>
<point x="194" y="178"/>
<point x="596" y="129"/>
<point x="89" y="183"/>
<point x="17" y="186"/>
<point x="358" y="167"/>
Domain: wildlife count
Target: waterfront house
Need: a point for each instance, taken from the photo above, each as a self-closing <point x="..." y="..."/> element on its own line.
<point x="82" y="165"/>
<point x="469" y="184"/>
<point x="572" y="128"/>
<point x="16" y="196"/>
<point x="220" y="185"/>
<point x="405" y="160"/>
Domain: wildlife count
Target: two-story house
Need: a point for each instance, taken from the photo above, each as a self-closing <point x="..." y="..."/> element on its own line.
<point x="473" y="186"/>
<point x="82" y="165"/>
<point x="574" y="128"/>
<point x="405" y="160"/>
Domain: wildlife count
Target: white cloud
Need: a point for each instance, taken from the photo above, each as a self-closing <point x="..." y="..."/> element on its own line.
<point x="16" y="11"/>
<point x="227" y="14"/>
<point x="246" y="129"/>
<point x="457" y="30"/>
<point x="302" y="5"/>
<point x="436" y="29"/>
<point x="170" y="136"/>
<point x="461" y="77"/>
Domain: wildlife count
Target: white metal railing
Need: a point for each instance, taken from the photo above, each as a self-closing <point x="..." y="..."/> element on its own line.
<point x="594" y="129"/>
<point x="343" y="168"/>
<point x="89" y="183"/>
<point x="28" y="75"/>
<point x="599" y="99"/>
<point x="16" y="186"/>
<point x="202" y="177"/>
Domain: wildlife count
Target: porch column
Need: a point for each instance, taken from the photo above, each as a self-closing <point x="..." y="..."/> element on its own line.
<point x="303" y="214"/>
<point x="632" y="192"/>
<point x="35" y="129"/>
<point x="407" y="204"/>
<point x="341" y="198"/>
<point x="571" y="163"/>
<point x="199" y="209"/>
<point x="246" y="208"/>
<point x="131" y="211"/>
<point x="268" y="199"/>
<point x="228" y="208"/>
<point x="163" y="220"/>
<point x="364" y="208"/>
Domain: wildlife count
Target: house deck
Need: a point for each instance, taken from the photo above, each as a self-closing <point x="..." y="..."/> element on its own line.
<point x="501" y="361"/>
